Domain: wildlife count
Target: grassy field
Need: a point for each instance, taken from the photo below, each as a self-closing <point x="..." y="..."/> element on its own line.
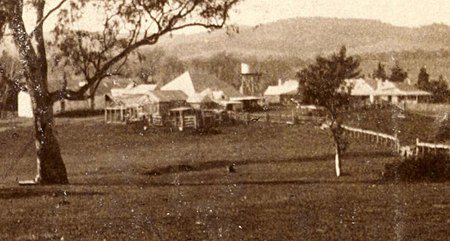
<point x="127" y="184"/>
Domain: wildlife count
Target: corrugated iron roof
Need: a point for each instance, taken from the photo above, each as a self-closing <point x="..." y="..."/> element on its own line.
<point x="192" y="82"/>
<point x="289" y="87"/>
<point x="167" y="95"/>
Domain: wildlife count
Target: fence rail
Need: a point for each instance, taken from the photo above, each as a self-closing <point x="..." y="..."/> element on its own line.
<point x="423" y="148"/>
<point x="373" y="136"/>
<point x="419" y="150"/>
<point x="267" y="117"/>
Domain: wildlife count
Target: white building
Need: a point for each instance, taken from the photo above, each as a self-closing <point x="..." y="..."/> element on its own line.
<point x="371" y="91"/>
<point x="281" y="93"/>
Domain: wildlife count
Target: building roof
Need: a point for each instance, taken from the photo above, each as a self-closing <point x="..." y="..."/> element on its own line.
<point x="400" y="89"/>
<point x="167" y="95"/>
<point x="192" y="83"/>
<point x="368" y="86"/>
<point x="129" y="100"/>
<point x="362" y="87"/>
<point x="289" y="87"/>
<point x="199" y="98"/>
<point x="133" y="90"/>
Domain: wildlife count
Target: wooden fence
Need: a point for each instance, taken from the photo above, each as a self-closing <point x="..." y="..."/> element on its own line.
<point x="423" y="148"/>
<point x="419" y="150"/>
<point x="374" y="137"/>
<point x="279" y="118"/>
<point x="183" y="122"/>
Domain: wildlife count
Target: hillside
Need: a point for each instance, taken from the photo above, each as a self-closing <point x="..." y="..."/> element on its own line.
<point x="307" y="37"/>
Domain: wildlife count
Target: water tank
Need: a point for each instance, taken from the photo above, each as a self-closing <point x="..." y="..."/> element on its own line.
<point x="245" y="69"/>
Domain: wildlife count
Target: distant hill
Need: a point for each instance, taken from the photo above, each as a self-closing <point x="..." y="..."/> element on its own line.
<point x="308" y="37"/>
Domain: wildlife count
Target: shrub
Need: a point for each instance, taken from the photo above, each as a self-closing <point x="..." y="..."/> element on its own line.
<point x="443" y="133"/>
<point x="427" y="168"/>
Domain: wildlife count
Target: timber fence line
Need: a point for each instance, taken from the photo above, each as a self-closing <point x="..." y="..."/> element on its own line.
<point x="279" y="118"/>
<point x="419" y="150"/>
<point x="423" y="148"/>
<point x="373" y="136"/>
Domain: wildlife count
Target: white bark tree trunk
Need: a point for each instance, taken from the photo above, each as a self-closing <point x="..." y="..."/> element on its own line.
<point x="50" y="165"/>
<point x="337" y="161"/>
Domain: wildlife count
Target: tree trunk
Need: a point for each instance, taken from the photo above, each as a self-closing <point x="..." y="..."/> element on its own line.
<point x="50" y="165"/>
<point x="92" y="98"/>
<point x="338" y="161"/>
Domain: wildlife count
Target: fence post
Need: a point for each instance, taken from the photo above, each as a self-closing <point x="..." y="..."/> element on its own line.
<point x="293" y="118"/>
<point x="396" y="143"/>
<point x="248" y="118"/>
<point x="195" y="122"/>
<point x="267" y="118"/>
<point x="417" y="147"/>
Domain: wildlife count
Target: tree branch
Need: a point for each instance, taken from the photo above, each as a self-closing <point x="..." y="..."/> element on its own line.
<point x="42" y="20"/>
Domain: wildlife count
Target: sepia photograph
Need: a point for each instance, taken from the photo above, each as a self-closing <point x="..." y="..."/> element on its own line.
<point x="224" y="120"/>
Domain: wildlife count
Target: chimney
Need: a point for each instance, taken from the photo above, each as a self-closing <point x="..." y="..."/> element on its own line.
<point x="408" y="81"/>
<point x="280" y="82"/>
<point x="379" y="83"/>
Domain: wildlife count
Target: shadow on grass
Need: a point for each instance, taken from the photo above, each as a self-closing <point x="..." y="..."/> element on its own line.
<point x="267" y="183"/>
<point x="18" y="193"/>
<point x="204" y="166"/>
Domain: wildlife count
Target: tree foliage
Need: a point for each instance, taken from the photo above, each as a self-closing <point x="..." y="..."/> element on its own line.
<point x="127" y="25"/>
<point x="398" y="74"/>
<point x="10" y="81"/>
<point x="423" y="78"/>
<point x="380" y="72"/>
<point x="323" y="84"/>
<point x="323" y="81"/>
<point x="438" y="88"/>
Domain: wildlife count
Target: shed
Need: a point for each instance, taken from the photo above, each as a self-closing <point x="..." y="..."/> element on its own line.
<point x="200" y="101"/>
<point x="281" y="93"/>
<point x="126" y="108"/>
<point x="163" y="101"/>
<point x="183" y="117"/>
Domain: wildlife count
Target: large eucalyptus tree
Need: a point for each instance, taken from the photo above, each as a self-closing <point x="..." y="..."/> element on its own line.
<point x="126" y="25"/>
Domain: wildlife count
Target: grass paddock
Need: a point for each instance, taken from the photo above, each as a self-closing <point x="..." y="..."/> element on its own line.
<point x="130" y="184"/>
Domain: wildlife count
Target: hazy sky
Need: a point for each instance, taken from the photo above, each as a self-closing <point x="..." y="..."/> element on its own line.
<point x="398" y="12"/>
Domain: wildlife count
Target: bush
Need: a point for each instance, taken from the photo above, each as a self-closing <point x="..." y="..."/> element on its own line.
<point x="443" y="133"/>
<point x="428" y="168"/>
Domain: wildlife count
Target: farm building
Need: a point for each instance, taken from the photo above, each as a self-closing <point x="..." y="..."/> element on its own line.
<point x="248" y="103"/>
<point x="402" y="92"/>
<point x="192" y="83"/>
<point x="122" y="109"/>
<point x="281" y="93"/>
<point x="220" y="92"/>
<point x="163" y="101"/>
<point x="363" y="90"/>
<point x="133" y="89"/>
<point x="201" y="101"/>
<point x="25" y="107"/>
<point x="372" y="91"/>
<point x="131" y="107"/>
